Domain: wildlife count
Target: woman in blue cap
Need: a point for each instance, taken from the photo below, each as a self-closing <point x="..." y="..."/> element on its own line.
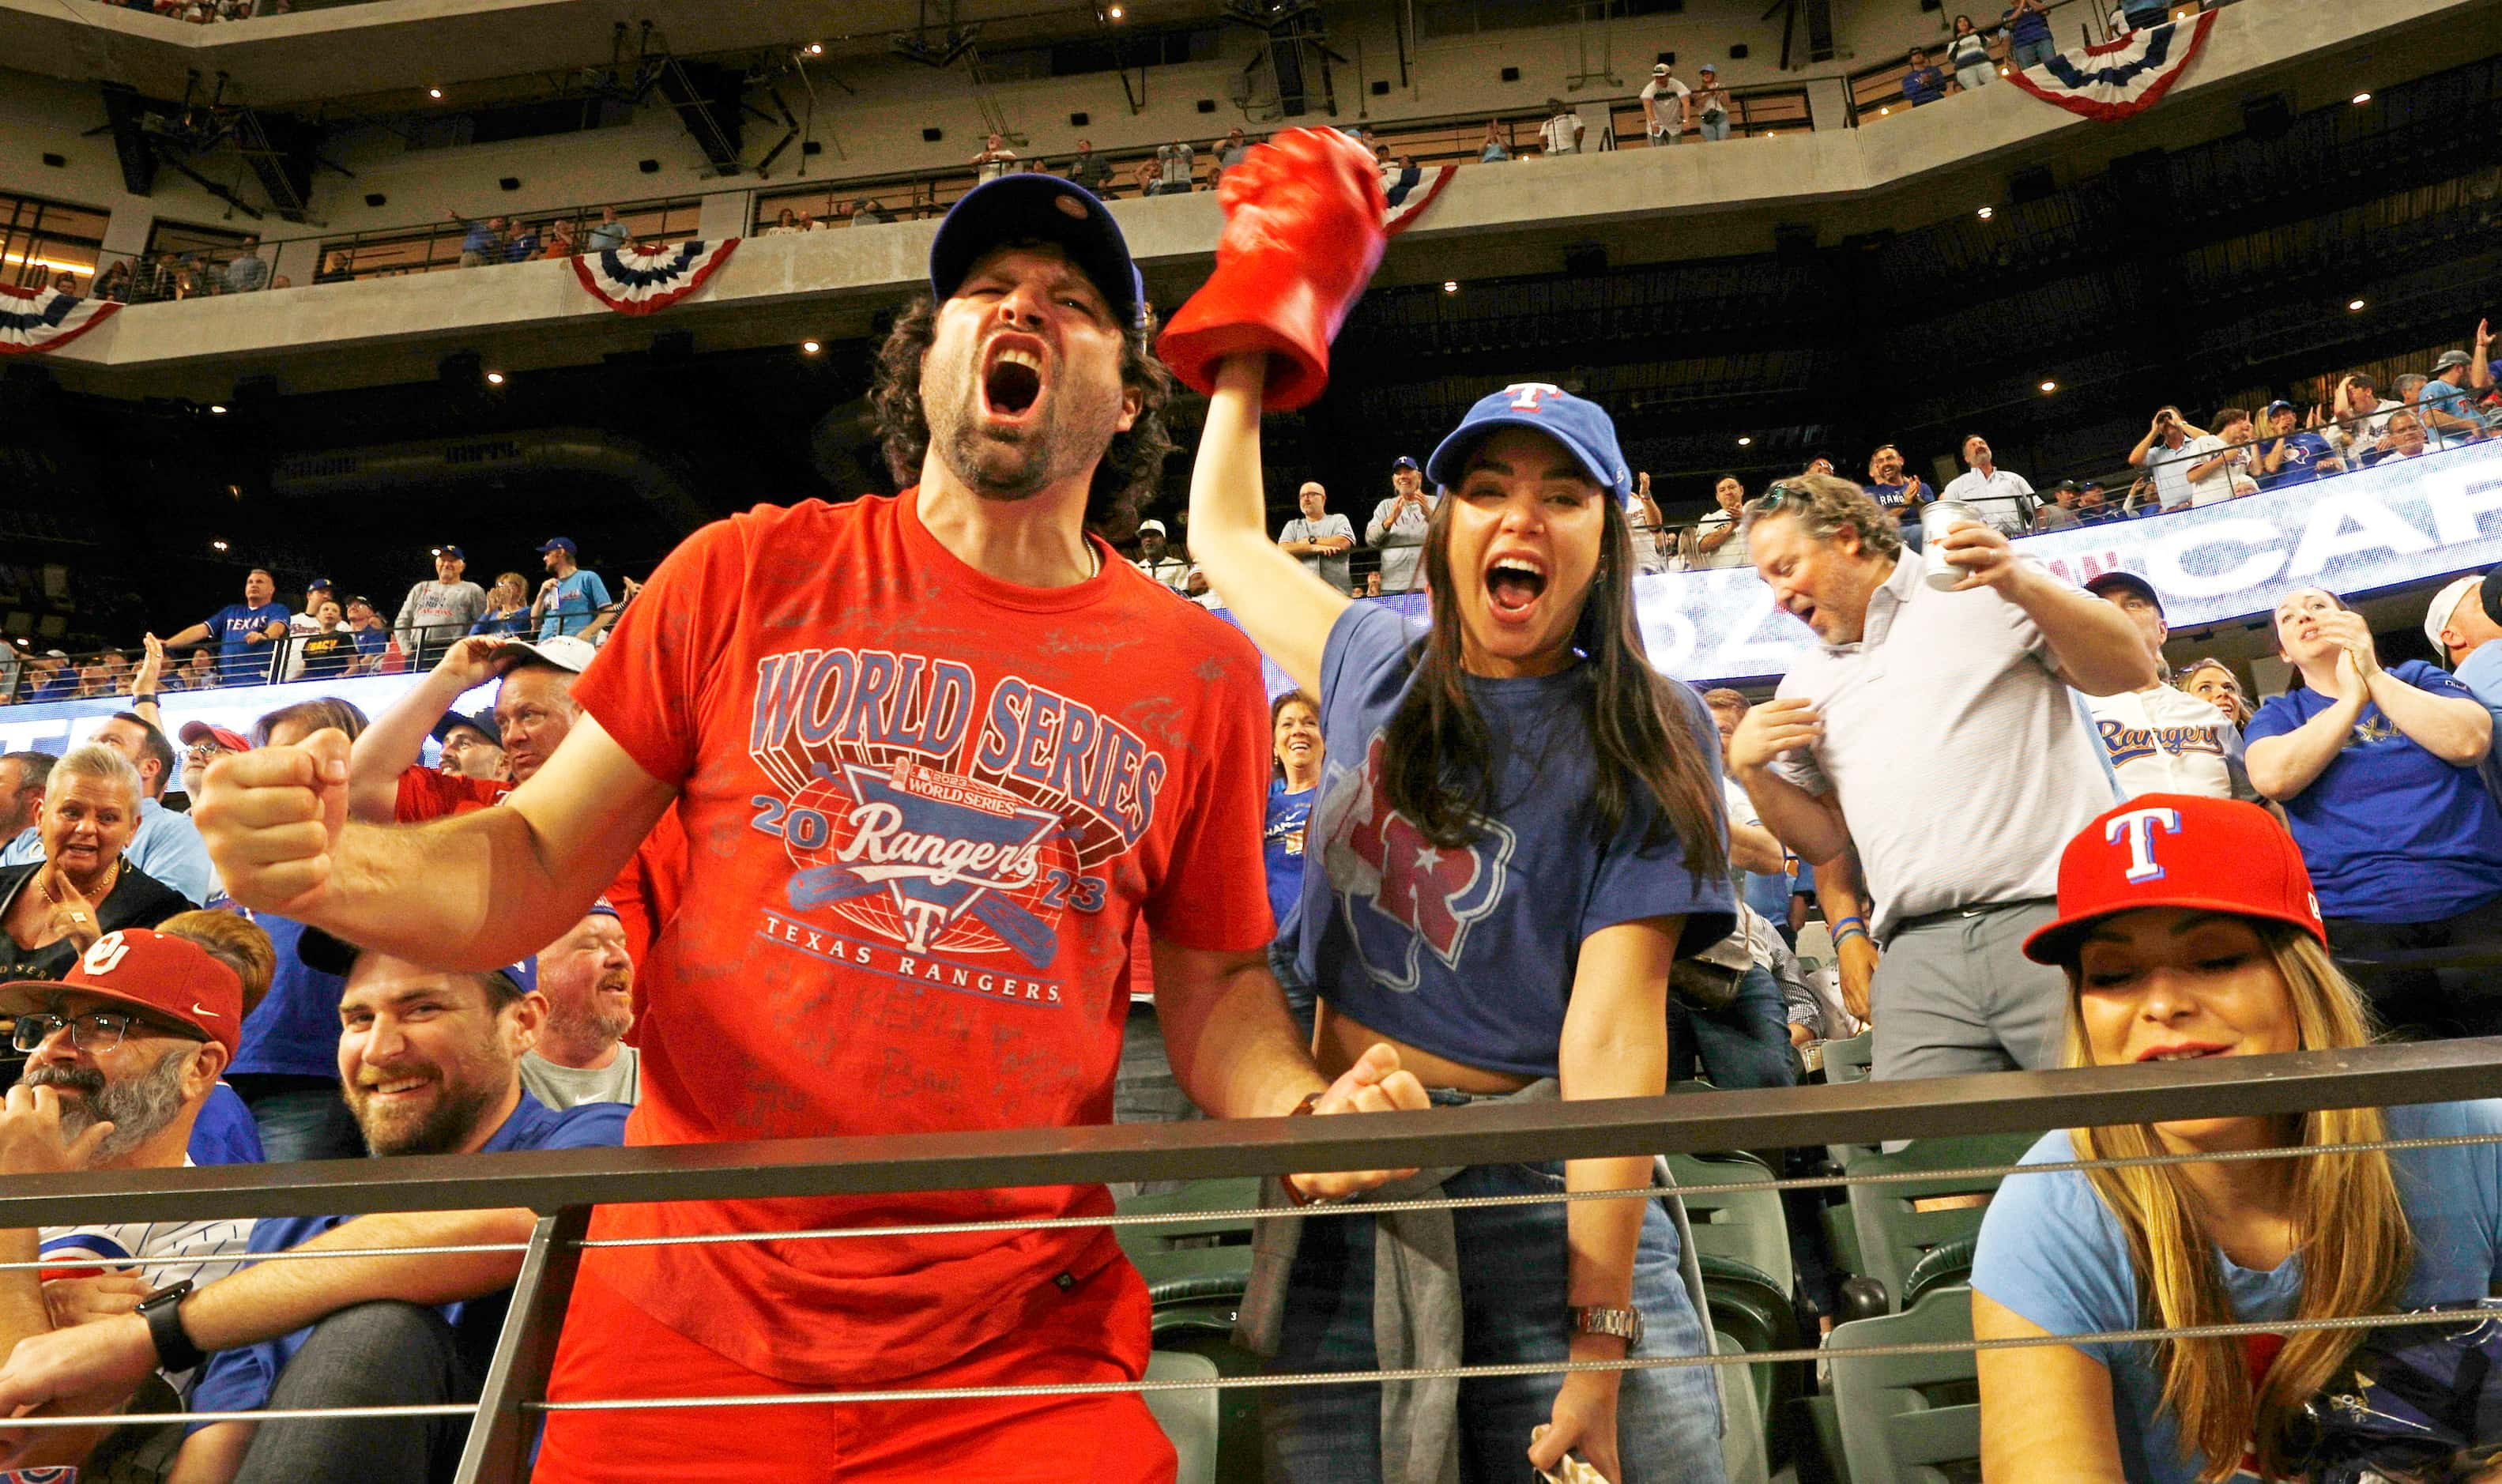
<point x="1518" y="825"/>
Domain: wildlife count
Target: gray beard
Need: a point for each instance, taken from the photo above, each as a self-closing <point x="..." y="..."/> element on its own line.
<point x="138" y="1108"/>
<point x="584" y="1025"/>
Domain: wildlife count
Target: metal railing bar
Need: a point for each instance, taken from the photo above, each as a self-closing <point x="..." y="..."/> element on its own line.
<point x="499" y="1445"/>
<point x="2453" y="1318"/>
<point x="2416" y="1320"/>
<point x="1999" y="1103"/>
<point x="1541" y="1197"/>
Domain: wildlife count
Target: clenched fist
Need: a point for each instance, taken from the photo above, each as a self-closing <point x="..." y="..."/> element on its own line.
<point x="272" y="818"/>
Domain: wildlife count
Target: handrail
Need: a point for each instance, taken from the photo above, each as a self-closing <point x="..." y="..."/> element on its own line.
<point x="1852" y="1112"/>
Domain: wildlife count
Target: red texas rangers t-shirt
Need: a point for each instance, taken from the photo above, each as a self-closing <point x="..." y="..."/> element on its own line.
<point x="923" y="809"/>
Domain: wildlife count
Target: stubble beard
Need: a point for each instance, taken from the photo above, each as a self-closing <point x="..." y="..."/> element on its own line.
<point x="1069" y="435"/>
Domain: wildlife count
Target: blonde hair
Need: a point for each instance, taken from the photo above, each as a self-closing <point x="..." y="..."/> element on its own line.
<point x="2349" y="1230"/>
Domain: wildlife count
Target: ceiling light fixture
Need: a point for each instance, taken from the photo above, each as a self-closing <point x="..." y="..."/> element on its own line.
<point x="2049" y="386"/>
<point x="1450" y="285"/>
<point x="217" y="546"/>
<point x="2362" y="98"/>
<point x="494" y="378"/>
<point x="809" y="347"/>
<point x="436" y="93"/>
<point x="2354" y="306"/>
<point x="816" y="48"/>
<point x="1116" y="12"/>
<point x="1988" y="211"/>
<point x="219" y="408"/>
<point x="1743" y="441"/>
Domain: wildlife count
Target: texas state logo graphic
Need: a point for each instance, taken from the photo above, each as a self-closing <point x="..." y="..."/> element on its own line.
<point x="933" y="838"/>
<point x="1402" y="895"/>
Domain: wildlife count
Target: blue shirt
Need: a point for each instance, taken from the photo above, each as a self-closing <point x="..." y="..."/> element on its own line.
<point x="1470" y="953"/>
<point x="372" y="644"/>
<point x="2304" y="453"/>
<point x="2391" y="834"/>
<point x="578" y="599"/>
<point x="1924" y="85"/>
<point x="480" y="238"/>
<point x="517" y="622"/>
<point x="165" y="844"/>
<point x="238" y="659"/>
<point x="1892" y="497"/>
<point x="294" y="1029"/>
<point x="1282" y="846"/>
<point x="2052" y="1252"/>
<point x="2024" y="27"/>
<point x="241" y="1379"/>
<point x="225" y="1133"/>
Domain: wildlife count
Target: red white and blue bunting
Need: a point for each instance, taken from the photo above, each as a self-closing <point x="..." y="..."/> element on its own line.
<point x="2118" y="78"/>
<point x="1400" y="217"/>
<point x="35" y="319"/>
<point x="634" y="282"/>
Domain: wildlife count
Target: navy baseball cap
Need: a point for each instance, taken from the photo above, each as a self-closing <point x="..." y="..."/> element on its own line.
<point x="1402" y="461"/>
<point x="1027" y="207"/>
<point x="453" y="552"/>
<point x="1583" y="426"/>
<point x="2128" y="582"/>
<point x="2278" y="406"/>
<point x="562" y="544"/>
<point x="320" y="584"/>
<point x="483" y="723"/>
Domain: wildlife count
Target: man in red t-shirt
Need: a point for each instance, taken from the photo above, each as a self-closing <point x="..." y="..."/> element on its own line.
<point x="535" y="712"/>
<point x="936" y="755"/>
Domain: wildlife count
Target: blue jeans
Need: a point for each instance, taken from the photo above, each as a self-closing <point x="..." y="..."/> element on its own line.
<point x="1711" y="129"/>
<point x="1512" y="1285"/>
<point x="1745" y="1045"/>
<point x="300" y="1118"/>
<point x="2032" y="54"/>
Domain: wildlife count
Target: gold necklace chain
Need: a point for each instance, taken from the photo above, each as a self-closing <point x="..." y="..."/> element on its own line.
<point x="109" y="883"/>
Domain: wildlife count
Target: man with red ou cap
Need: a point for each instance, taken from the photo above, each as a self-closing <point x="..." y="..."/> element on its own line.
<point x="936" y="755"/>
<point x="123" y="1053"/>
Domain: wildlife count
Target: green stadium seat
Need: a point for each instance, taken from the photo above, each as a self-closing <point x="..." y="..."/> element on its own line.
<point x="1748" y="1225"/>
<point x="1910" y="1419"/>
<point x="1893" y="1232"/>
<point x="1188" y="1417"/>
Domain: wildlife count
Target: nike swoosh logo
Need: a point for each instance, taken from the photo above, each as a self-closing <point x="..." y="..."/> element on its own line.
<point x="199" y="1009"/>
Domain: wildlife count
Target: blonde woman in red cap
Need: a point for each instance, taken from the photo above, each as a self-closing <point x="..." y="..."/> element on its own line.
<point x="2187" y="928"/>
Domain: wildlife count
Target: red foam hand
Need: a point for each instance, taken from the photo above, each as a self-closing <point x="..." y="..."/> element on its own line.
<point x="1302" y="234"/>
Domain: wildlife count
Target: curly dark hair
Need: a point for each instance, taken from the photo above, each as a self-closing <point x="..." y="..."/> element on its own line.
<point x="1131" y="467"/>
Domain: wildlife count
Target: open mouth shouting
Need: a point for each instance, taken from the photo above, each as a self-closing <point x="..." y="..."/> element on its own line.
<point x="1013" y="379"/>
<point x="1514" y="583"/>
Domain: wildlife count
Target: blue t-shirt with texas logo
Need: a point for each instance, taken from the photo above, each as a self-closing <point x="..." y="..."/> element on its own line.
<point x="1470" y="953"/>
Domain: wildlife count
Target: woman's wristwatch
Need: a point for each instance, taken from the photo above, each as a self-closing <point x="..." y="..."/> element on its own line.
<point x="1623" y="1324"/>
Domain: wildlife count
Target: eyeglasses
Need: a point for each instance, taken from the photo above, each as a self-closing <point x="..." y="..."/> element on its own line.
<point x="205" y="751"/>
<point x="97" y="1031"/>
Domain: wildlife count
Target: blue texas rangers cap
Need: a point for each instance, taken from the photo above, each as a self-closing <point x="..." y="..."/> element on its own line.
<point x="1583" y="426"/>
<point x="1027" y="207"/>
<point x="562" y="544"/>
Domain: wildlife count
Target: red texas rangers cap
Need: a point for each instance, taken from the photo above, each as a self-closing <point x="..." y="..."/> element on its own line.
<point x="2177" y="850"/>
<point x="171" y="977"/>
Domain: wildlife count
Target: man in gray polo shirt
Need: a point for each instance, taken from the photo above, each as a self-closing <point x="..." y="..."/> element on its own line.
<point x="1933" y="730"/>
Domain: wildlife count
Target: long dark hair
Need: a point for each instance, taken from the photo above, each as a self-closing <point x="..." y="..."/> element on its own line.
<point x="1439" y="755"/>
<point x="1133" y="464"/>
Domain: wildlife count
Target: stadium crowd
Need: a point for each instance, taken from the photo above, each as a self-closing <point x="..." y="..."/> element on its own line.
<point x="1499" y="857"/>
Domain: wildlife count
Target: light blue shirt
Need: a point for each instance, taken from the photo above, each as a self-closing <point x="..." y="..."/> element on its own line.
<point x="2480" y="672"/>
<point x="578" y="600"/>
<point x="2053" y="1253"/>
<point x="166" y="845"/>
